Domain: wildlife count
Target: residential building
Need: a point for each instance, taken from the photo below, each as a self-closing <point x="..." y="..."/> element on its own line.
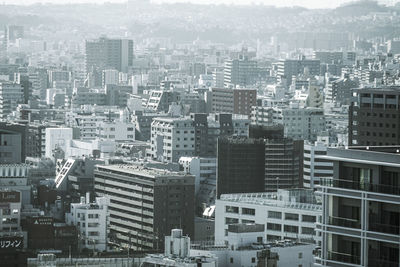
<point x="240" y="72"/>
<point x="11" y="94"/>
<point x="10" y="147"/>
<point x="172" y="138"/>
<point x="292" y="67"/>
<point x="235" y="101"/>
<point x="315" y="166"/>
<point x="361" y="207"/>
<point x="91" y="221"/>
<point x="145" y="204"/>
<point x="106" y="53"/>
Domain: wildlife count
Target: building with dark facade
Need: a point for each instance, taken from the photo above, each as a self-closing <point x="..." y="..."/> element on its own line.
<point x="361" y="208"/>
<point x="247" y="165"/>
<point x="374" y="117"/>
<point x="145" y="204"/>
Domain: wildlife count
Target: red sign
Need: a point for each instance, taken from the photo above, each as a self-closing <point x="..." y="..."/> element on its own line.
<point x="7" y="197"/>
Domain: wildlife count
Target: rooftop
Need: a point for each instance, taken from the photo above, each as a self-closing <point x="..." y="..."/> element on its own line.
<point x="293" y="199"/>
<point x="141" y="170"/>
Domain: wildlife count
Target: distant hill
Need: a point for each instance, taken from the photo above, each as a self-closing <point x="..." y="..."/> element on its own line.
<point x="359" y="8"/>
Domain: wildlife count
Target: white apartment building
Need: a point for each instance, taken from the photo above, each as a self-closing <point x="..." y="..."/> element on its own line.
<point x="91" y="222"/>
<point x="288" y="214"/>
<point x="117" y="130"/>
<point x="315" y="166"/>
<point x="172" y="138"/>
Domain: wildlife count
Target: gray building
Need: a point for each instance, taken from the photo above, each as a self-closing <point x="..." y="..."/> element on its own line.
<point x="10" y="147"/>
<point x="145" y="204"/>
<point x="105" y="53"/>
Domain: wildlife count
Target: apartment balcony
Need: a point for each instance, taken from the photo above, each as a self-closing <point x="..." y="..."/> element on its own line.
<point x="360" y="186"/>
<point x="376" y="225"/>
<point x="343" y="257"/>
<point x="344" y="222"/>
<point x="382" y="263"/>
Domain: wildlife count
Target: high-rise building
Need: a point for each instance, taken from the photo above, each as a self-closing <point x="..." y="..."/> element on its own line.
<point x="361" y="208"/>
<point x="292" y="67"/>
<point x="374" y="117"/>
<point x="247" y="165"/>
<point x="109" y="53"/>
<point x="235" y="101"/>
<point x="145" y="204"/>
<point x="14" y="32"/>
<point x="240" y="72"/>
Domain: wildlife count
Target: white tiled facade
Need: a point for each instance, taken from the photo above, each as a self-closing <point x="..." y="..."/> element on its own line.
<point x="283" y="218"/>
<point x="91" y="221"/>
<point x="315" y="166"/>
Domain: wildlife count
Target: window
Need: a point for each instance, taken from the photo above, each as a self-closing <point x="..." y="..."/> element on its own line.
<point x="291" y="229"/>
<point x="231" y="209"/>
<point x="231" y="260"/>
<point x="307" y="231"/>
<point x="274" y="226"/>
<point x="247" y="211"/>
<point x="231" y="220"/>
<point x="291" y="216"/>
<point x="300" y="255"/>
<point x="274" y="214"/>
<point x="308" y="218"/>
<point x="253" y="260"/>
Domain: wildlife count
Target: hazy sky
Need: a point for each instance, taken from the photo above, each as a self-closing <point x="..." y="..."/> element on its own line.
<point x="306" y="3"/>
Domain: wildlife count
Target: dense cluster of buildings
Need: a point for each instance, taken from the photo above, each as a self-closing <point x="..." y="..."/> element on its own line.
<point x="127" y="152"/>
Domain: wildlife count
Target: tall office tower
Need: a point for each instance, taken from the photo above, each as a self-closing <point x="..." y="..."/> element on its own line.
<point x="247" y="165"/>
<point x="11" y="94"/>
<point x="172" y="138"/>
<point x="109" y="53"/>
<point x="283" y="164"/>
<point x="315" y="166"/>
<point x="145" y="204"/>
<point x="235" y="101"/>
<point x="361" y="208"/>
<point x="242" y="72"/>
<point x="374" y="117"/>
<point x="240" y="165"/>
<point x="292" y="67"/>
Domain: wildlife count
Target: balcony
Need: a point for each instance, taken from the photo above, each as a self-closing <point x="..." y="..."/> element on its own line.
<point x="343" y="257"/>
<point x="344" y="222"/>
<point x="362" y="186"/>
<point x="382" y="263"/>
<point x="376" y="225"/>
